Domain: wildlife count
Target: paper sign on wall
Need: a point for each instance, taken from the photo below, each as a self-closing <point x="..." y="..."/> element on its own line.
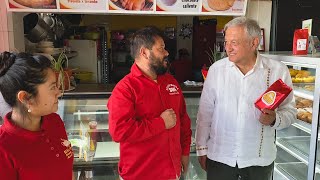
<point x="83" y="4"/>
<point x="178" y="5"/>
<point x="224" y="6"/>
<point x="131" y="5"/>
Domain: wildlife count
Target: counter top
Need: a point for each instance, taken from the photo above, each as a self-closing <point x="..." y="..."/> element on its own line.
<point x="106" y="89"/>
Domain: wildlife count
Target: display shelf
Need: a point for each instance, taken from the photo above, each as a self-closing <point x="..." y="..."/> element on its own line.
<point x="107" y="151"/>
<point x="76" y="124"/>
<point x="296" y="146"/>
<point x="306" y="127"/>
<point x="292" y="171"/>
<point x="97" y="172"/>
<point x="299" y="148"/>
<point x="303" y="93"/>
<point x="278" y="174"/>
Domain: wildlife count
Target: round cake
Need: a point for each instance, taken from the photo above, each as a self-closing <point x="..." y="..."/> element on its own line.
<point x="220" y="5"/>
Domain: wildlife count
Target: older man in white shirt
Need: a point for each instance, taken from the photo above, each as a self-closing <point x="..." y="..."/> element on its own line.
<point x="234" y="139"/>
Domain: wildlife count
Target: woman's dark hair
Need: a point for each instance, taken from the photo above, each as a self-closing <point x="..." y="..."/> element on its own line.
<point x="21" y="72"/>
<point x="144" y="38"/>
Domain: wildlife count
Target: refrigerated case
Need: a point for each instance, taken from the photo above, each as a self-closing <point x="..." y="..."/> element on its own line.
<point x="85" y="116"/>
<point x="298" y="155"/>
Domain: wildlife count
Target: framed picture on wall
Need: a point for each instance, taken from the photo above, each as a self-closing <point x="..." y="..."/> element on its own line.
<point x="262" y="41"/>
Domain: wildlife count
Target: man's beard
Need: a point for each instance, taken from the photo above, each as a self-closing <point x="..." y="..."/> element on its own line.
<point x="157" y="65"/>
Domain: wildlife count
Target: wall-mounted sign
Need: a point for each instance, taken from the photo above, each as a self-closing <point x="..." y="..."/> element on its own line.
<point x="172" y="7"/>
<point x="83" y="4"/>
<point x="33" y="4"/>
<point x="179" y="6"/>
<point x="131" y="5"/>
<point x="224" y="7"/>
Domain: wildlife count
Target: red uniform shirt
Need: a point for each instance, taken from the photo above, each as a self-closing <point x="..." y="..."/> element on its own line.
<point x="27" y="155"/>
<point x="147" y="149"/>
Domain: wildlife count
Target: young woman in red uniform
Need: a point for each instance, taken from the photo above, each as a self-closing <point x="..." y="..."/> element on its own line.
<point x="33" y="140"/>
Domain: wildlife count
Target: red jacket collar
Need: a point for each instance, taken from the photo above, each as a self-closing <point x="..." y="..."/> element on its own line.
<point x="11" y="128"/>
<point x="135" y="71"/>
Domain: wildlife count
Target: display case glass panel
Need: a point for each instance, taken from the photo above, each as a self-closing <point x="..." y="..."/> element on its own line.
<point x="86" y="123"/>
<point x="297" y="156"/>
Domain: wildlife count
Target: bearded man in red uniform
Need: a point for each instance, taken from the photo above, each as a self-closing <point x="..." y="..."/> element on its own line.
<point x="147" y="114"/>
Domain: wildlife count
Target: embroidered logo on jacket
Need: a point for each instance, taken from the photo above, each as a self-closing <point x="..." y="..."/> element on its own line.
<point x="68" y="151"/>
<point x="172" y="89"/>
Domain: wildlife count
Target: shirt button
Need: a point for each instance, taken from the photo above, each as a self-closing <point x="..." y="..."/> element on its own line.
<point x="52" y="148"/>
<point x="57" y="155"/>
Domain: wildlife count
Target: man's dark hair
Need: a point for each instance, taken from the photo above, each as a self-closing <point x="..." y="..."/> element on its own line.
<point x="144" y="38"/>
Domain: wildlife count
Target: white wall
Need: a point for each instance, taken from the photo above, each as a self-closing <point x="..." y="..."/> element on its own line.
<point x="11" y="30"/>
<point x="260" y="10"/>
<point x="4" y="33"/>
<point x="187" y="42"/>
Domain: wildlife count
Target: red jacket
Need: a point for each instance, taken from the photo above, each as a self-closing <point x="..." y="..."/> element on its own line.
<point x="147" y="149"/>
<point x="28" y="155"/>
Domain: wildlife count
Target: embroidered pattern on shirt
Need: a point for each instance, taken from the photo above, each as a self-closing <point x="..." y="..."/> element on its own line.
<point x="172" y="89"/>
<point x="68" y="151"/>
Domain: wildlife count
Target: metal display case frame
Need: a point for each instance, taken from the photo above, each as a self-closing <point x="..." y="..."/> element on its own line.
<point x="297" y="149"/>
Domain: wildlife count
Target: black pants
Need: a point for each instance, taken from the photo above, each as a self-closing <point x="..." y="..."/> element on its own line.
<point x="220" y="171"/>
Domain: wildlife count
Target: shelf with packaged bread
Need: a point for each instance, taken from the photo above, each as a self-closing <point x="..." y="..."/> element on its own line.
<point x="300" y="140"/>
<point x="304" y="94"/>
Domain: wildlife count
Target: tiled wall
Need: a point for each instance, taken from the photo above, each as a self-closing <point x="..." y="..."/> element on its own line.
<point x="4" y="32"/>
<point x="11" y="30"/>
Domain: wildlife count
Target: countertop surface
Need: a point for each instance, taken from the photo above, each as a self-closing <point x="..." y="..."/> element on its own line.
<point x="106" y="89"/>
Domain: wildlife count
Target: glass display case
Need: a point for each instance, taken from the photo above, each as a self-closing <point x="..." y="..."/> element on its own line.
<point x="86" y="121"/>
<point x="85" y="115"/>
<point x="297" y="156"/>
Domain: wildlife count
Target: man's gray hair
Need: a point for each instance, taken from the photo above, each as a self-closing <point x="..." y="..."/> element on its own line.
<point x="251" y="26"/>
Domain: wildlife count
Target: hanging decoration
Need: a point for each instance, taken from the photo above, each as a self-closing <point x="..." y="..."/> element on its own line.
<point x="186" y="31"/>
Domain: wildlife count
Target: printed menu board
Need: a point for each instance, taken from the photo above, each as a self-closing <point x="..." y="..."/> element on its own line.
<point x="83" y="4"/>
<point x="32" y="4"/>
<point x="173" y="7"/>
<point x="179" y="6"/>
<point x="131" y="5"/>
<point x="227" y="7"/>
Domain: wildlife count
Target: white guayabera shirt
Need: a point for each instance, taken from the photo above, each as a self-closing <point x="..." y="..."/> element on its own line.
<point x="228" y="127"/>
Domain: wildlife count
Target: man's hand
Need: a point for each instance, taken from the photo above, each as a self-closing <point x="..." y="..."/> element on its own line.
<point x="202" y="160"/>
<point x="268" y="117"/>
<point x="185" y="164"/>
<point x="169" y="117"/>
